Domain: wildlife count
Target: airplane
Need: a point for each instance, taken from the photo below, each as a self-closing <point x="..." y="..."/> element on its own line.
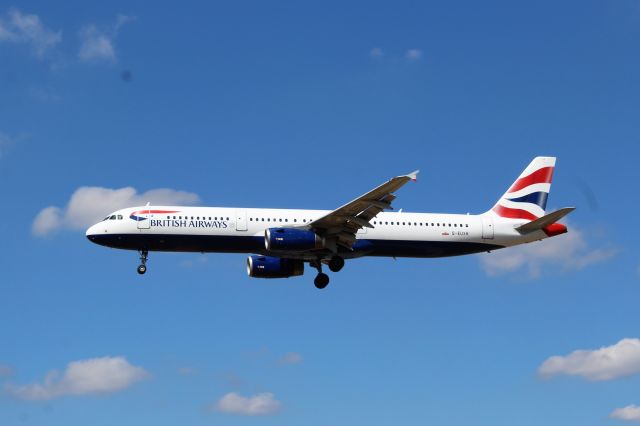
<point x="281" y="241"/>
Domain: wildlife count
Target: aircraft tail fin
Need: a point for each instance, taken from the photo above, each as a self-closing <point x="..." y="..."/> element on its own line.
<point x="526" y="198"/>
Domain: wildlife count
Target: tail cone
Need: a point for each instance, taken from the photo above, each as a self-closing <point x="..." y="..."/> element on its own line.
<point x="554" y="229"/>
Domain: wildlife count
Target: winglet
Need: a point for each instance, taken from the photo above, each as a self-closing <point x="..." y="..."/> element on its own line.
<point x="413" y="175"/>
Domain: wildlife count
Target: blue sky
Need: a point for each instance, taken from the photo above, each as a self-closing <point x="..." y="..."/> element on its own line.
<point x="309" y="105"/>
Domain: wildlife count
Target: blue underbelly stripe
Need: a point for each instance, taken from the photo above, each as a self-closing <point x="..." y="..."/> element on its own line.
<point x="249" y="244"/>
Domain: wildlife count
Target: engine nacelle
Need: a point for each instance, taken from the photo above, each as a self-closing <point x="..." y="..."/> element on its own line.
<point x="291" y="239"/>
<point x="273" y="267"/>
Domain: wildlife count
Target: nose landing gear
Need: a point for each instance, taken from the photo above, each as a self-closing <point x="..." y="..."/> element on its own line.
<point x="142" y="268"/>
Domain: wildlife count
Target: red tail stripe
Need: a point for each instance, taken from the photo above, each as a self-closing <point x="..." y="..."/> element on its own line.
<point x="542" y="175"/>
<point x="513" y="213"/>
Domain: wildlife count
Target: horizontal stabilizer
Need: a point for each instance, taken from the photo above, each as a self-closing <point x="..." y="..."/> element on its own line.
<point x="545" y="220"/>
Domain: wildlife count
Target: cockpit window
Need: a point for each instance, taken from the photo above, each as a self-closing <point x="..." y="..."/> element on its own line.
<point x="106" y="218"/>
<point x="113" y="217"/>
<point x="119" y="217"/>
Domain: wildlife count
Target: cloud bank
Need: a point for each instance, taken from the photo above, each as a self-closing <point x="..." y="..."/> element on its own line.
<point x="89" y="204"/>
<point x="569" y="251"/>
<point x="27" y="29"/>
<point x="97" y="45"/>
<point x="630" y="413"/>
<point x="413" y="54"/>
<point x="607" y="363"/>
<point x="291" y="358"/>
<point x="262" y="404"/>
<point x="85" y="377"/>
<point x="5" y="370"/>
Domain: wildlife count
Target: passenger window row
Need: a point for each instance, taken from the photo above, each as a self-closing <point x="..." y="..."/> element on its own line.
<point x="436" y="224"/>
<point x="197" y="218"/>
<point x="262" y="219"/>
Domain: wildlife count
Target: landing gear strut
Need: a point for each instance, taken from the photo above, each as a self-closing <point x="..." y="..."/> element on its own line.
<point x="142" y="268"/>
<point x="322" y="279"/>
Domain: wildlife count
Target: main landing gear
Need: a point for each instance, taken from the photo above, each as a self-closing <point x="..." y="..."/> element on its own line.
<point x="144" y="255"/>
<point x="336" y="263"/>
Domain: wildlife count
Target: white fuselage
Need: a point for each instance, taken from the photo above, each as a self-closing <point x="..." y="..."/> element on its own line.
<point x="238" y="230"/>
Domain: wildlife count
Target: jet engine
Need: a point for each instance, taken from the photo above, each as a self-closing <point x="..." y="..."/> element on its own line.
<point x="291" y="239"/>
<point x="273" y="267"/>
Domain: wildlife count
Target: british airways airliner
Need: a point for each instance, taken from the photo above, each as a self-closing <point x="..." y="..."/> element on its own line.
<point x="282" y="241"/>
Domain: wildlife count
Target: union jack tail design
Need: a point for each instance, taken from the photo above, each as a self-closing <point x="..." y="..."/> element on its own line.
<point x="527" y="197"/>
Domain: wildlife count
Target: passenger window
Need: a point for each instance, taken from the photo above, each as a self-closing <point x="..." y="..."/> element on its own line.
<point x="295" y="220"/>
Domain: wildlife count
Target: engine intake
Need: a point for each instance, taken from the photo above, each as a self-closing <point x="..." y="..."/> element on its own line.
<point x="273" y="267"/>
<point x="291" y="239"/>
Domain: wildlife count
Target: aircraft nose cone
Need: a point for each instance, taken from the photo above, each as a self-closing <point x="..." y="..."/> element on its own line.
<point x="91" y="233"/>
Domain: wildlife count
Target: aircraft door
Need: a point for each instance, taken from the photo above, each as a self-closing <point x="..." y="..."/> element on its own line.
<point x="144" y="219"/>
<point x="241" y="220"/>
<point x="487" y="227"/>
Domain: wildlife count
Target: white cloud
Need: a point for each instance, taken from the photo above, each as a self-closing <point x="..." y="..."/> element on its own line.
<point x="606" y="363"/>
<point x="630" y="413"/>
<point x="85" y="377"/>
<point x="291" y="358"/>
<point x="28" y="29"/>
<point x="262" y="404"/>
<point x="5" y="141"/>
<point x="5" y="370"/>
<point x="98" y="45"/>
<point x="89" y="204"/>
<point x="198" y="260"/>
<point x="186" y="371"/>
<point x="413" y="54"/>
<point x="45" y="95"/>
<point x="376" y="52"/>
<point x="570" y="251"/>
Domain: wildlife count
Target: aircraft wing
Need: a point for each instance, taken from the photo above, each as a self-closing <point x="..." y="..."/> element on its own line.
<point x="340" y="226"/>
